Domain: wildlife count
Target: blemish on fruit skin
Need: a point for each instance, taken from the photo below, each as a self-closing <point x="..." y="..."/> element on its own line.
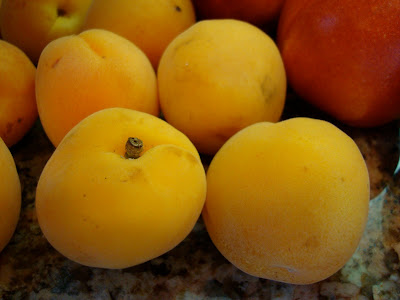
<point x="176" y="151"/>
<point x="312" y="242"/>
<point x="177" y="8"/>
<point x="61" y="12"/>
<point x="267" y="88"/>
<point x="180" y="153"/>
<point x="135" y="173"/>
<point x="55" y="63"/>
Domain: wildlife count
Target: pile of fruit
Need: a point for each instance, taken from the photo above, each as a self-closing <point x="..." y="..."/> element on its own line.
<point x="132" y="94"/>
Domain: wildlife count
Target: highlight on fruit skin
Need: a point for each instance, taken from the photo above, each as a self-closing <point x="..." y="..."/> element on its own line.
<point x="102" y="208"/>
<point x="348" y="70"/>
<point x="288" y="201"/>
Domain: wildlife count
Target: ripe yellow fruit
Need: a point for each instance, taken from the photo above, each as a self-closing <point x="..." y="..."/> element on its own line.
<point x="10" y="195"/>
<point x="81" y="74"/>
<point x="17" y="94"/>
<point x="288" y="201"/>
<point x="101" y="209"/>
<point x="218" y="77"/>
<point x="31" y="25"/>
<point x="149" y="24"/>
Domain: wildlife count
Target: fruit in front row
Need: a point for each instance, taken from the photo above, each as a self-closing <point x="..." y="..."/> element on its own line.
<point x="102" y="209"/>
<point x="288" y="201"/>
<point x="10" y="195"/>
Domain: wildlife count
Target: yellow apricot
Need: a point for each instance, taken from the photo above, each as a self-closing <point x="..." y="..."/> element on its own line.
<point x="149" y="24"/>
<point x="10" y="195"/>
<point x="218" y="77"/>
<point x="81" y="74"/>
<point x="101" y="209"/>
<point x="288" y="201"/>
<point x="17" y="94"/>
<point x="31" y="25"/>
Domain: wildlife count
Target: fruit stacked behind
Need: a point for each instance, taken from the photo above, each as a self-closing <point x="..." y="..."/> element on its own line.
<point x="214" y="81"/>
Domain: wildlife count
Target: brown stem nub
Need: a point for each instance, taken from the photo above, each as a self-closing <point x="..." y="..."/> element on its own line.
<point x="133" y="148"/>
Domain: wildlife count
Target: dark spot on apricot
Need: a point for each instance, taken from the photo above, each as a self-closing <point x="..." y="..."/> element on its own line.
<point x="178" y="8"/>
<point x="61" y="12"/>
<point x="19" y="120"/>
<point x="267" y="89"/>
<point x="312" y="242"/>
<point x="134" y="175"/>
<point x="56" y="62"/>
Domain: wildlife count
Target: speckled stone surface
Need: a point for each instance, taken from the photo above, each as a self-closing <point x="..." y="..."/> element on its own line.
<point x="31" y="269"/>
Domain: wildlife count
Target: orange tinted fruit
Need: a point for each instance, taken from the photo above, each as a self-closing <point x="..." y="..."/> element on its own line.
<point x="10" y="195"/>
<point x="81" y="74"/>
<point x="101" y="209"/>
<point x="18" y="110"/>
<point x="149" y="24"/>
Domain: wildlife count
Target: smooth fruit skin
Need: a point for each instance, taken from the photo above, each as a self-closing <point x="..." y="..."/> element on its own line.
<point x="18" y="109"/>
<point x="343" y="57"/>
<point x="10" y="195"/>
<point x="81" y="74"/>
<point x="31" y="25"/>
<point x="149" y="24"/>
<point x="102" y="210"/>
<point x="218" y="77"/>
<point x="288" y="201"/>
<point x="257" y="12"/>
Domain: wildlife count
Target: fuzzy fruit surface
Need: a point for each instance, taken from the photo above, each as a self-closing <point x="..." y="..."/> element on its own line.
<point x="288" y="201"/>
<point x="100" y="209"/>
<point x="219" y="76"/>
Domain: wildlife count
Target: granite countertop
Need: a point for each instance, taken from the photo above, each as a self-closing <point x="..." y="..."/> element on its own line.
<point x="31" y="269"/>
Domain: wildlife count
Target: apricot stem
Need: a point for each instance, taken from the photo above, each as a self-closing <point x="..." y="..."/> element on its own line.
<point x="133" y="148"/>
